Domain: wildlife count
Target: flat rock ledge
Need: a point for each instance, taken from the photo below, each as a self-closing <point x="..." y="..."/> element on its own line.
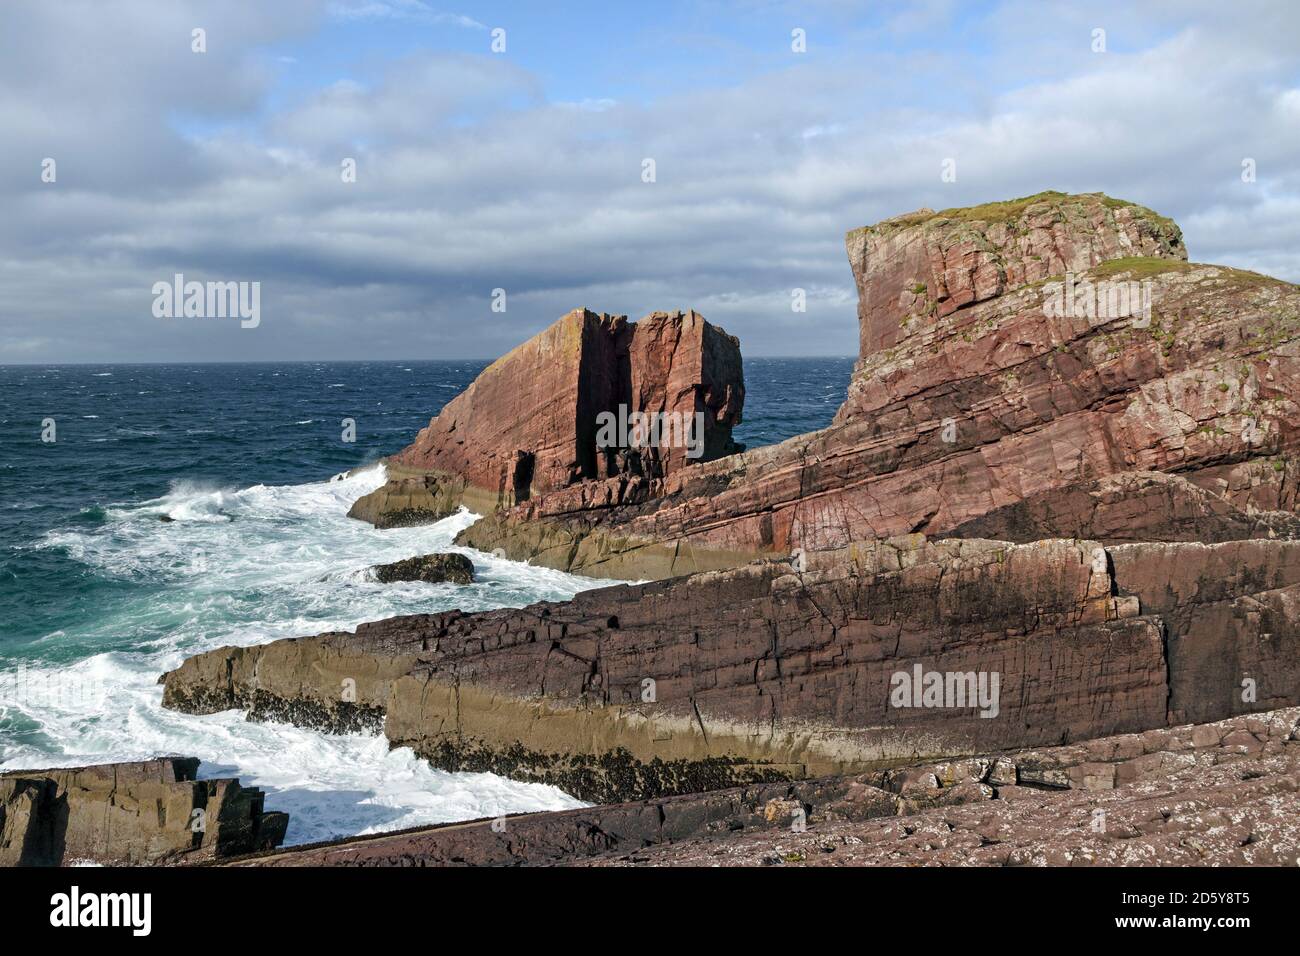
<point x="779" y="671"/>
<point x="1224" y="793"/>
<point x="148" y="813"/>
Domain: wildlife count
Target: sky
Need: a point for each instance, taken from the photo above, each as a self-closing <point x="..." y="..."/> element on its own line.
<point x="522" y="168"/>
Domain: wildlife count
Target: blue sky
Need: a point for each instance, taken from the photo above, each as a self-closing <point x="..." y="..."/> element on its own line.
<point x="522" y="170"/>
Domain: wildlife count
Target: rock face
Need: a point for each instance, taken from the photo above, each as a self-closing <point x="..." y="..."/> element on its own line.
<point x="155" y="812"/>
<point x="988" y="402"/>
<point x="1129" y="507"/>
<point x="558" y="837"/>
<point x="562" y="408"/>
<point x="1210" y="794"/>
<point x="430" y="568"/>
<point x="914" y="271"/>
<point x="772" y="672"/>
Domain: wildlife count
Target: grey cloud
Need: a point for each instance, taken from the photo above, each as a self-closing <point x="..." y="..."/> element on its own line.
<point x="469" y="179"/>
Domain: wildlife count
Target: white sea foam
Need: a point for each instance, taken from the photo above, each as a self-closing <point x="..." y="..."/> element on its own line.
<point x="246" y="566"/>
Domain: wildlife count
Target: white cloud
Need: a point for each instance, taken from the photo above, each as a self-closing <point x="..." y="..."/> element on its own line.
<point x="469" y="178"/>
<point x="398" y="10"/>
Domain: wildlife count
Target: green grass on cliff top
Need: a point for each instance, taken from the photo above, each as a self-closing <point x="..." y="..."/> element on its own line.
<point x="1148" y="267"/>
<point x="1145" y="267"/>
<point x="1008" y="209"/>
<point x="1141" y="267"/>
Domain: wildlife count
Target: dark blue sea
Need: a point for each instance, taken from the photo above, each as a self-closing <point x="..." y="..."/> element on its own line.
<point x="99" y="594"/>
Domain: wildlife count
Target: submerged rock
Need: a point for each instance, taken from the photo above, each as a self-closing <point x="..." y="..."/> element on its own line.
<point x="430" y="568"/>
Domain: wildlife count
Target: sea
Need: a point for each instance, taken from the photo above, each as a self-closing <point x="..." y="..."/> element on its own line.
<point x="100" y="594"/>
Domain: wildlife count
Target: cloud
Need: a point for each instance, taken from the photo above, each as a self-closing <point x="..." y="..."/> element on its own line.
<point x="472" y="175"/>
<point x="398" y="10"/>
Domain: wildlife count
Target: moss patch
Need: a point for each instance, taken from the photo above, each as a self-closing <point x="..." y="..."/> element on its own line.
<point x="1141" y="267"/>
<point x="1009" y="210"/>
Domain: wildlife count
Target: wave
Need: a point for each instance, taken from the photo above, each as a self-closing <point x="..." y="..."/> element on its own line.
<point x="240" y="566"/>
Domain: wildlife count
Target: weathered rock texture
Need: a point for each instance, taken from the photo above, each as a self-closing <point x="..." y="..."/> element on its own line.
<point x="413" y="500"/>
<point x="531" y="422"/>
<point x="973" y="412"/>
<point x="1224" y="793"/>
<point x="764" y="672"/>
<point x="914" y="271"/>
<point x="1128" y="507"/>
<point x="153" y="812"/>
<point x="429" y="568"/>
<point x="557" y="837"/>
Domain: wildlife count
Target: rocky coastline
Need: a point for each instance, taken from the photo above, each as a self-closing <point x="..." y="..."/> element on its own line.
<point x="1048" y="547"/>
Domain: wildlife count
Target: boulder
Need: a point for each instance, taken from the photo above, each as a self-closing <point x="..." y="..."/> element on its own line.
<point x="403" y="502"/>
<point x="430" y="568"/>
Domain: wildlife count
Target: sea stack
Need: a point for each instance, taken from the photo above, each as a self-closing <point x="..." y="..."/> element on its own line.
<point x="554" y="413"/>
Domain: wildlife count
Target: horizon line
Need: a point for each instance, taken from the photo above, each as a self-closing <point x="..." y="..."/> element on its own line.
<point x="333" y="361"/>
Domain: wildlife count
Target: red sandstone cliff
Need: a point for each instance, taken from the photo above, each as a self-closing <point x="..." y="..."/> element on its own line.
<point x="555" y="410"/>
<point x="978" y="396"/>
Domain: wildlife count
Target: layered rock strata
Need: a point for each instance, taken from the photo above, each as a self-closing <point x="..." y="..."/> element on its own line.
<point x="1025" y="366"/>
<point x="592" y="397"/>
<point x="771" y="671"/>
<point x="152" y="812"/>
<point x="1226" y="794"/>
<point x="1056" y="506"/>
<point x="1212" y="794"/>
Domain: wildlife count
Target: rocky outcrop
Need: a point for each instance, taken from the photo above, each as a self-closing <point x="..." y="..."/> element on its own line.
<point x="592" y="397"/>
<point x="988" y="402"/>
<point x="154" y="812"/>
<point x="405" y="501"/>
<point x="1211" y="794"/>
<point x="429" y="568"/>
<point x="1057" y="506"/>
<point x="771" y="671"/>
<point x="557" y="837"/>
<point x="914" y="271"/>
